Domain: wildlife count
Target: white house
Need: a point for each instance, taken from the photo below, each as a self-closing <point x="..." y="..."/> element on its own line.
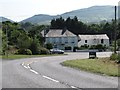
<point x="93" y="40"/>
<point x="60" y="38"/>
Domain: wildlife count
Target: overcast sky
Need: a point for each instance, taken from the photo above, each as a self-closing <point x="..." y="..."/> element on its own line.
<point x="18" y="10"/>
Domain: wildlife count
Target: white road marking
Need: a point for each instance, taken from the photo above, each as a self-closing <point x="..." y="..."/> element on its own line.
<point x="73" y="87"/>
<point x="34" y="71"/>
<point x="28" y="67"/>
<point x="50" y="79"/>
<point x="22" y="64"/>
<point x="25" y="67"/>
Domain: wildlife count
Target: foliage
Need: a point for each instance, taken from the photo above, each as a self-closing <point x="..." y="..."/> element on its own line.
<point x="0" y="41"/>
<point x="24" y="51"/>
<point x="68" y="48"/>
<point x="24" y="41"/>
<point x="114" y="56"/>
<point x="34" y="47"/>
<point x="44" y="51"/>
<point x="22" y="36"/>
<point x="76" y="47"/>
<point x="85" y="46"/>
<point x="118" y="42"/>
<point x="100" y="47"/>
<point x="49" y="46"/>
<point x="78" y="27"/>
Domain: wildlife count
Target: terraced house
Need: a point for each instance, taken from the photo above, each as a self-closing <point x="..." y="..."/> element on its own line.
<point x="64" y="38"/>
<point x="60" y="38"/>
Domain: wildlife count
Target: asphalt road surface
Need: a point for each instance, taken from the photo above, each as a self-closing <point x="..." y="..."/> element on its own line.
<point x="46" y="72"/>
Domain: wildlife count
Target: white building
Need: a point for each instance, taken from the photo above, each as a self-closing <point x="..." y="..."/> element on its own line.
<point x="60" y="38"/>
<point x="93" y="40"/>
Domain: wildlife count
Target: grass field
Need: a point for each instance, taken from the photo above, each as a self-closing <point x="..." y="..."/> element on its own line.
<point x="12" y="57"/>
<point x="102" y="66"/>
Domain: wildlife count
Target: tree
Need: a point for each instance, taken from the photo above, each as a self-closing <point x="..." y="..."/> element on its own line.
<point x="4" y="43"/>
<point x="49" y="46"/>
<point x="24" y="41"/>
<point x="34" y="47"/>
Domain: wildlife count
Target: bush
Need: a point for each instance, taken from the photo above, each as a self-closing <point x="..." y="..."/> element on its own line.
<point x="99" y="47"/>
<point x="119" y="57"/>
<point x="114" y="57"/>
<point x="44" y="51"/>
<point x="49" y="46"/>
<point x="24" y="51"/>
<point x="76" y="47"/>
<point x="34" y="47"/>
<point x="92" y="46"/>
<point x="84" y="47"/>
<point x="68" y="48"/>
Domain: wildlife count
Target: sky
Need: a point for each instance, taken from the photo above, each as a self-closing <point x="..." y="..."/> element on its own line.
<point x="18" y="10"/>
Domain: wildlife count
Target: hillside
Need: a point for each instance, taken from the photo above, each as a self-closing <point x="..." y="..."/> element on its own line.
<point x="91" y="14"/>
<point x="2" y="19"/>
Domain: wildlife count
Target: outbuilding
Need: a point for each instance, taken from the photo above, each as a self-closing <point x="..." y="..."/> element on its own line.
<point x="90" y="40"/>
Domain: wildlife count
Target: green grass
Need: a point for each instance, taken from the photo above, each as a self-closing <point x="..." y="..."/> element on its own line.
<point x="12" y="57"/>
<point x="101" y="66"/>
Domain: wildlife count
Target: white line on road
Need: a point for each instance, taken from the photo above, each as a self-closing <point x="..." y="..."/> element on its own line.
<point x="50" y="78"/>
<point x="25" y="67"/>
<point x="22" y="64"/>
<point x="73" y="87"/>
<point x="34" y="71"/>
<point x="28" y="67"/>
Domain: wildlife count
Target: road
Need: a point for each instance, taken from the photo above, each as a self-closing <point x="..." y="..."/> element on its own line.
<point x="46" y="72"/>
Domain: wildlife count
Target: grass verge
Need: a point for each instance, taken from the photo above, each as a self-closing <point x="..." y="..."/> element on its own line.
<point x="102" y="66"/>
<point x="12" y="57"/>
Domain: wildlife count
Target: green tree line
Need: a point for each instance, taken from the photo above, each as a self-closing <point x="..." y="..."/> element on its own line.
<point x="23" y="38"/>
<point x="78" y="27"/>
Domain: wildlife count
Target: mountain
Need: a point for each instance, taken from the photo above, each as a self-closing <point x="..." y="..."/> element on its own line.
<point x="92" y="14"/>
<point x="87" y="15"/>
<point x="39" y="19"/>
<point x="3" y="19"/>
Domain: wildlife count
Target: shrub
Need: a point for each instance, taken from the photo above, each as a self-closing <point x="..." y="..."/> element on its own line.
<point x="24" y="51"/>
<point x="44" y="51"/>
<point x="28" y="52"/>
<point x="92" y="47"/>
<point x="114" y="57"/>
<point x="68" y="48"/>
<point x="76" y="47"/>
<point x="119" y="57"/>
<point x="85" y="46"/>
<point x="49" y="46"/>
<point x="34" y="47"/>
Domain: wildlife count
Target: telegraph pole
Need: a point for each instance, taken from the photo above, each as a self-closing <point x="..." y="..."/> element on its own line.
<point x="115" y="30"/>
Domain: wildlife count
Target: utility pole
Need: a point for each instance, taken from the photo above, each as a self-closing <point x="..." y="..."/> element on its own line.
<point x="115" y="29"/>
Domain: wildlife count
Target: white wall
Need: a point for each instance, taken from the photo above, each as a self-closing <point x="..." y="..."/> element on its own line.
<point x="93" y="42"/>
<point x="66" y="41"/>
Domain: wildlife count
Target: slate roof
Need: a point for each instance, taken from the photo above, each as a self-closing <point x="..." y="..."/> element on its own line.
<point x="86" y="37"/>
<point x="58" y="33"/>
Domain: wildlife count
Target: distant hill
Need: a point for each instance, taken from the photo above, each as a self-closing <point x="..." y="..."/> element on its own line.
<point x="88" y="15"/>
<point x="2" y="19"/>
<point x="39" y="19"/>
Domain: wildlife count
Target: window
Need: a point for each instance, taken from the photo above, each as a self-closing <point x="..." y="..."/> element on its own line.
<point x="102" y="41"/>
<point x="85" y="41"/>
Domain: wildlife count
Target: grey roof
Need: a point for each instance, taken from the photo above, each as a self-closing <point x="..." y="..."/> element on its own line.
<point x="58" y="33"/>
<point x="101" y="36"/>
